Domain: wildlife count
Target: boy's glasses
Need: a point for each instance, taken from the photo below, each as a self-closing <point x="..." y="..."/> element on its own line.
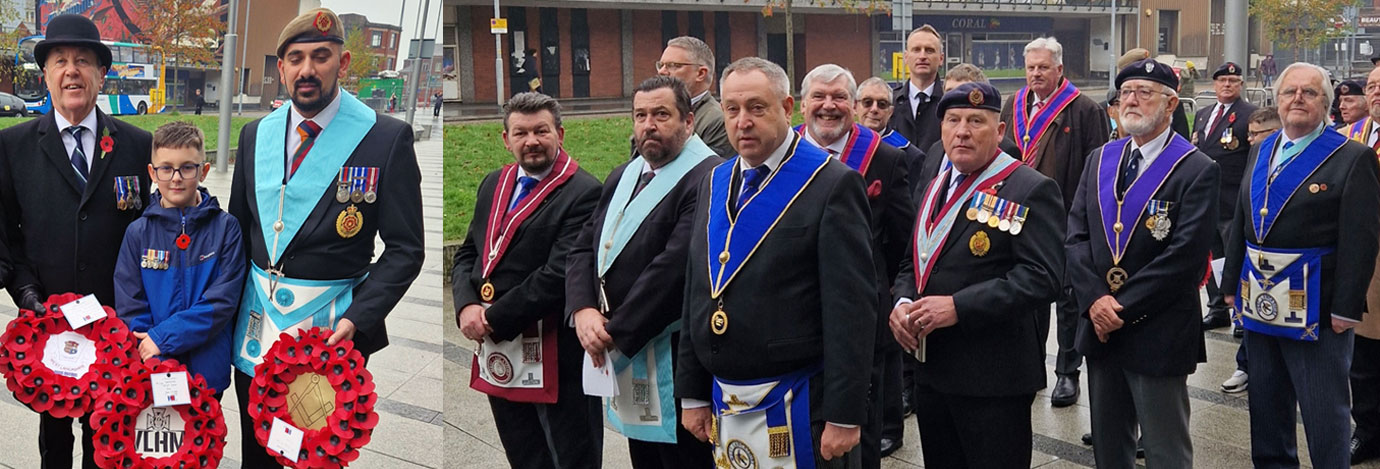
<point x="188" y="171"/>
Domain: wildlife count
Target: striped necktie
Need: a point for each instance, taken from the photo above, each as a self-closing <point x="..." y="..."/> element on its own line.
<point x="308" y="130"/>
<point x="79" y="156"/>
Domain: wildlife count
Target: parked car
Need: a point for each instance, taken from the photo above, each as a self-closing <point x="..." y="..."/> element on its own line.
<point x="11" y="105"/>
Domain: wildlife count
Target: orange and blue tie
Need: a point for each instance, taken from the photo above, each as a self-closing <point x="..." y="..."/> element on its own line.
<point x="308" y="130"/>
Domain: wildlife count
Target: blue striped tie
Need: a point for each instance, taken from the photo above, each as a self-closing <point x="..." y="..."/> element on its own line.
<point x="79" y="156"/>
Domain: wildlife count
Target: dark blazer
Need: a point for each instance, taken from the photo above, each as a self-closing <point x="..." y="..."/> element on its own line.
<point x="925" y="131"/>
<point x="529" y="282"/>
<point x="892" y="218"/>
<point x="645" y="285"/>
<point x="931" y="166"/>
<point x="709" y="125"/>
<point x="1161" y="335"/>
<point x="319" y="252"/>
<point x="996" y="348"/>
<point x="58" y="238"/>
<point x="1232" y="162"/>
<point x="1180" y="122"/>
<point x="796" y="303"/>
<point x="1078" y="130"/>
<point x="1343" y="216"/>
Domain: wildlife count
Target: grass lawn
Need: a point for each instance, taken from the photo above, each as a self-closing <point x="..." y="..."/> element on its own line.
<point x="207" y="123"/>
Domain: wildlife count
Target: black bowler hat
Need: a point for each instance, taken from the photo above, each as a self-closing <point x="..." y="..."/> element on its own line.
<point x="1350" y="88"/>
<point x="1229" y="68"/>
<point x="1148" y="69"/>
<point x="71" y="30"/>
<point x="972" y="95"/>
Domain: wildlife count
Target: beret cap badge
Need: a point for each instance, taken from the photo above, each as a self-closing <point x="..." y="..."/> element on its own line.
<point x="975" y="97"/>
<point x="322" y="21"/>
<point x="1149" y="67"/>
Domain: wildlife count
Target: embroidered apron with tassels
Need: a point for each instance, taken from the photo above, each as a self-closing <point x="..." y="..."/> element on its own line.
<point x="763" y="423"/>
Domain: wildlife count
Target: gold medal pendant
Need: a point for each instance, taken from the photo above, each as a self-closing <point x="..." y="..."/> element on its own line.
<point x="349" y="222"/>
<point x="1116" y="277"/>
<point x="979" y="244"/>
<point x="718" y="322"/>
<point x="486" y="292"/>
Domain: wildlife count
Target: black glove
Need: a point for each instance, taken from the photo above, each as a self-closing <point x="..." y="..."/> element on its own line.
<point x="31" y="299"/>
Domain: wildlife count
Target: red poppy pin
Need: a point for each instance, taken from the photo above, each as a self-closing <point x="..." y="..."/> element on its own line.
<point x="107" y="144"/>
<point x="1231" y="119"/>
<point x="874" y="190"/>
<point x="1067" y="129"/>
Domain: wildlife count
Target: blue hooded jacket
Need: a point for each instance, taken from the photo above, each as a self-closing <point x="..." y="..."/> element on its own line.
<point x="188" y="307"/>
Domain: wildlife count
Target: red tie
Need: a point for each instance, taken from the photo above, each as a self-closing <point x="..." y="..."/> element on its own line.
<point x="308" y="130"/>
<point x="1217" y="118"/>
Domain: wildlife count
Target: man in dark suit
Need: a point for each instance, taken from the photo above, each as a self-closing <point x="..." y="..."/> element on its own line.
<point x="692" y="61"/>
<point x="827" y="102"/>
<point x="986" y="259"/>
<point x="1221" y="132"/>
<point x="64" y="217"/>
<point x="314" y="184"/>
<point x="1138" y="295"/>
<point x="509" y="288"/>
<point x="873" y="109"/>
<point x="780" y="278"/>
<point x="625" y="283"/>
<point x="1304" y="231"/>
<point x="917" y="97"/>
<point x="1056" y="126"/>
<point x="930" y="168"/>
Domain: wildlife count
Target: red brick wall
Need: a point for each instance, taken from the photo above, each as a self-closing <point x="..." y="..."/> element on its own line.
<point x="647" y="44"/>
<point x="844" y="40"/>
<point x="484" y="56"/>
<point x="605" y="54"/>
<point x="567" y="63"/>
<point x="744" y="34"/>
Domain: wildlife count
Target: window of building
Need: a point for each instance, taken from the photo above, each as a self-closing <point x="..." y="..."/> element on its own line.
<point x="376" y="40"/>
<point x="1168" y="29"/>
<point x="395" y="41"/>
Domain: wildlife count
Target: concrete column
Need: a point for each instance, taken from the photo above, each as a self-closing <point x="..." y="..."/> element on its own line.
<point x="1236" y="28"/>
<point x="626" y="27"/>
<point x="761" y="36"/>
<point x="464" y="42"/>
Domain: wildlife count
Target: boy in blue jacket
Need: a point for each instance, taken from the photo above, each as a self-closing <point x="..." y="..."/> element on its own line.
<point x="181" y="267"/>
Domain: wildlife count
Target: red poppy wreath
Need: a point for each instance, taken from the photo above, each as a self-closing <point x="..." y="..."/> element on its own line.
<point x="55" y="370"/>
<point x="323" y="391"/>
<point x="131" y="432"/>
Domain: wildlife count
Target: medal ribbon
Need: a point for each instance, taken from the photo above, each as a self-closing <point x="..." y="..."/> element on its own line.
<point x="372" y="181"/>
<point x="740" y="236"/>
<point x="1133" y="205"/>
<point x="857" y="153"/>
<point x="1272" y="189"/>
<point x="1024" y="124"/>
<point x="930" y="233"/>
<point x="344" y="179"/>
<point x="356" y="180"/>
<point x="122" y="189"/>
<point x="502" y="222"/>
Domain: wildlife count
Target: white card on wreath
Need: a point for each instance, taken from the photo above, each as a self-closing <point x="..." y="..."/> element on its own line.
<point x="85" y="310"/>
<point x="170" y="389"/>
<point x="284" y="439"/>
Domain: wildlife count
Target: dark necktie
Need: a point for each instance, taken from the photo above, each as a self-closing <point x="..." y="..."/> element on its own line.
<point x="920" y="99"/>
<point x="1216" y="118"/>
<point x="525" y="184"/>
<point x="642" y="181"/>
<point x="308" y="130"/>
<point x="949" y="192"/>
<point x="752" y="179"/>
<point x="1128" y="176"/>
<point x="79" y="156"/>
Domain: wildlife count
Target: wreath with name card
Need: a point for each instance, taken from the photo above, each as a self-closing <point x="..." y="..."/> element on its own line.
<point x="55" y="370"/>
<point x="131" y="432"/>
<point x="322" y="390"/>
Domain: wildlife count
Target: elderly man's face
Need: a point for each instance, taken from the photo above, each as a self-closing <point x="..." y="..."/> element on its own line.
<point x="1302" y="100"/>
<point x="1145" y="106"/>
<point x="534" y="140"/>
<point x="971" y="137"/>
<point x="1227" y="87"/>
<point x="874" y="107"/>
<point x="1042" y="73"/>
<point x="1373" y="93"/>
<point x="1352" y="107"/>
<point x="828" y="110"/>
<point x="74" y="76"/>
<point x="756" y="117"/>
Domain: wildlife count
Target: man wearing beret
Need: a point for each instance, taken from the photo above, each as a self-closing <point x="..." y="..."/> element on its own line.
<point x="314" y="184"/>
<point x="986" y="259"/>
<point x="70" y="181"/>
<point x="1137" y="295"/>
<point x="1350" y="103"/>
<point x="1220" y="131"/>
<point x="1056" y="126"/>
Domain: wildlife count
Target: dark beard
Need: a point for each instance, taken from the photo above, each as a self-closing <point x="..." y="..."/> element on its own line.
<point x="323" y="99"/>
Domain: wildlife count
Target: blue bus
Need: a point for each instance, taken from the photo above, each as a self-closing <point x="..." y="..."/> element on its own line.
<point x="133" y="85"/>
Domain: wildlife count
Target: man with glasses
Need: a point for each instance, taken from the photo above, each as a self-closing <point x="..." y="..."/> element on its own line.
<point x="1138" y="233"/>
<point x="1304" y="230"/>
<point x="71" y="181"/>
<point x="692" y="61"/>
<point x="874" y="109"/>
<point x="1055" y="127"/>
<point x="1220" y="131"/>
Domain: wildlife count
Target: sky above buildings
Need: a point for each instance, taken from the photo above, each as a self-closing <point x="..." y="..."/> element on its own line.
<point x="387" y="12"/>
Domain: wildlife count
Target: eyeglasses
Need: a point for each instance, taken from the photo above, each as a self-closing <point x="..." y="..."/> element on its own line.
<point x="1257" y="133"/>
<point x="1140" y="93"/>
<point x="187" y="171"/>
<point x="880" y="103"/>
<point x="1307" y="93"/>
<point x="671" y="65"/>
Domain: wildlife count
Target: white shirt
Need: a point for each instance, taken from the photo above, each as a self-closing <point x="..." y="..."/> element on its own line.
<point x="1374" y="133"/>
<point x="914" y="91"/>
<point x="1274" y="165"/>
<point x="322" y="119"/>
<point x="772" y="163"/>
<point x="88" y="136"/>
<point x="1212" y="118"/>
<point x="835" y="149"/>
<point x="1151" y="149"/>
<point x="699" y="97"/>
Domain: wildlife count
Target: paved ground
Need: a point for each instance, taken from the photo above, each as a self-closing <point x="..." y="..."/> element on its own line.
<point x="408" y="373"/>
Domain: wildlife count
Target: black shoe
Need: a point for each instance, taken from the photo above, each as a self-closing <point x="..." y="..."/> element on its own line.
<point x="1065" y="391"/>
<point x="1087" y="438"/>
<point x="889" y="446"/>
<point x="906" y="408"/>
<point x="1215" y="320"/>
<point x="1363" y="451"/>
<point x="1140" y="444"/>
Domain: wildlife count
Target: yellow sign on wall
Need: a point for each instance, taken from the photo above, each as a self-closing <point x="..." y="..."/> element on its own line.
<point x="498" y="25"/>
<point x="898" y="67"/>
